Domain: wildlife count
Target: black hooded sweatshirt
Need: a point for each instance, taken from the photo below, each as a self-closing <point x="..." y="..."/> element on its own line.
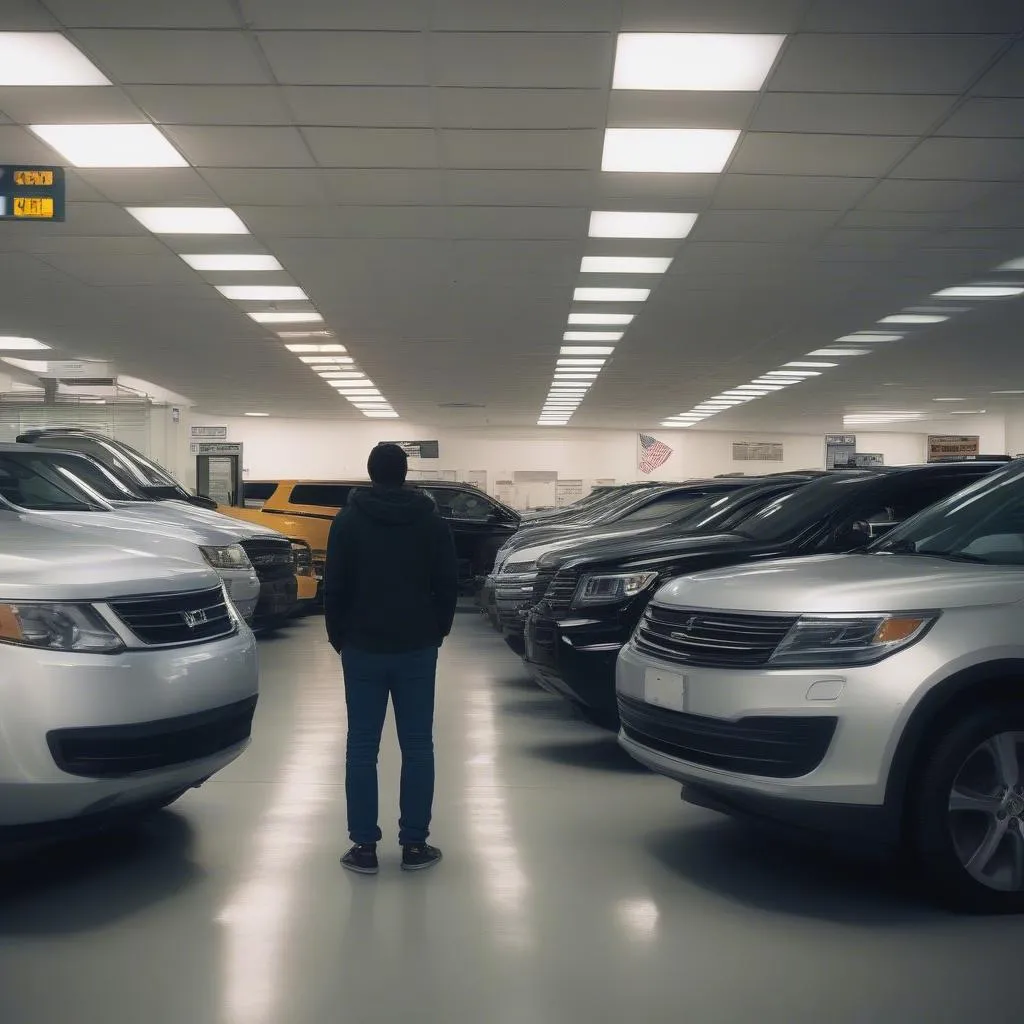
<point x="391" y="580"/>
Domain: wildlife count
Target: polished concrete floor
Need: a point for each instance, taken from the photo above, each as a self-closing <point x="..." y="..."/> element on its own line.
<point x="575" y="888"/>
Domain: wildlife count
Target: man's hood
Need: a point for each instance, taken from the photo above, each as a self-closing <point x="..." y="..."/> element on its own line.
<point x="393" y="507"/>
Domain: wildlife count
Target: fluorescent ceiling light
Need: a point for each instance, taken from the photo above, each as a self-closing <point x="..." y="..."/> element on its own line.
<point x="980" y="291"/>
<point x="880" y="417"/>
<point x="257" y="414"/>
<point x="384" y="414"/>
<point x="840" y="352"/>
<point x="334" y="374"/>
<point x="1017" y="264"/>
<point x="263" y="293"/>
<point x="669" y="424"/>
<point x="189" y="220"/>
<point x="865" y="336"/>
<point x="949" y="399"/>
<point x="110" y="145"/>
<point x="1008" y="392"/>
<point x="967" y="412"/>
<point x="668" y="150"/>
<point x="792" y="373"/>
<point x="315" y="348"/>
<point x="287" y="318"/>
<point x="586" y="350"/>
<point x="611" y="294"/>
<point x="357" y="385"/>
<point x="592" y="336"/>
<point x="628" y="224"/>
<point x="9" y="344"/>
<point x="624" y="264"/>
<point x="45" y="58"/>
<point x="580" y="362"/>
<point x="230" y="261"/>
<point x="305" y="334"/>
<point x="699" y="61"/>
<point x="822" y="366"/>
<point x="615" y="319"/>
<point x="913" y="318"/>
<point x="326" y="359"/>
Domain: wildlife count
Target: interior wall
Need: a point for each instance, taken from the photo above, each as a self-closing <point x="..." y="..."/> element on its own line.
<point x="314" y="448"/>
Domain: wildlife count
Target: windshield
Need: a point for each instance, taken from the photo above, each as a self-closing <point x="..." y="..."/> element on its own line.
<point x="790" y="514"/>
<point x="726" y="512"/>
<point x="92" y="476"/>
<point x="982" y="523"/>
<point x="26" y="482"/>
<point x="120" y="457"/>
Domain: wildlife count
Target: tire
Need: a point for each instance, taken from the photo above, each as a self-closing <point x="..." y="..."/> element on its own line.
<point x="966" y="817"/>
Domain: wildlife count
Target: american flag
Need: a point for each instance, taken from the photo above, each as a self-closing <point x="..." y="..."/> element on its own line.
<point x="653" y="453"/>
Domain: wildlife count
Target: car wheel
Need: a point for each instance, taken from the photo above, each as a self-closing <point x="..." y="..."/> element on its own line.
<point x="967" y="817"/>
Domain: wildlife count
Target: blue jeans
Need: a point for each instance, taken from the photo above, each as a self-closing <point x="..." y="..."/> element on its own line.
<point x="409" y="679"/>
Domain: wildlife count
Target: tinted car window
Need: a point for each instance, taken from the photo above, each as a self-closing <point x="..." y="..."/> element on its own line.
<point x="323" y="495"/>
<point x="662" y="508"/>
<point x="464" y="505"/>
<point x="35" y="488"/>
<point x="255" y="494"/>
<point x="93" y="475"/>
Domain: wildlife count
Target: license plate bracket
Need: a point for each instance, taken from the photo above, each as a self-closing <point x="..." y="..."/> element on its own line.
<point x="665" y="689"/>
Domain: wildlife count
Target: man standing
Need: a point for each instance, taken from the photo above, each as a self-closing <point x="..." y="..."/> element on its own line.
<point x="389" y="597"/>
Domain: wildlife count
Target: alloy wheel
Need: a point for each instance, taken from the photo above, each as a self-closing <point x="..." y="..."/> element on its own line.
<point x="986" y="812"/>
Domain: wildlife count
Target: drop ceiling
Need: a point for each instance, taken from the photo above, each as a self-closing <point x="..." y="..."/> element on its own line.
<point x="425" y="171"/>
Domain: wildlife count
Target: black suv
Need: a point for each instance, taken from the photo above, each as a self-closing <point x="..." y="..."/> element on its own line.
<point x="598" y="590"/>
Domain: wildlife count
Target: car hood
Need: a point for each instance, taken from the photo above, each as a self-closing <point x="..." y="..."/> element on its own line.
<point x="193" y="515"/>
<point x="42" y="562"/>
<point x="848" y="583"/>
<point x="597" y="535"/>
<point x="655" y="547"/>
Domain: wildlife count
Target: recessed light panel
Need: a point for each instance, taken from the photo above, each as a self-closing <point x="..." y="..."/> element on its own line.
<point x="628" y="224"/>
<point x="866" y="336"/>
<point x="668" y="150"/>
<point x="230" y="261"/>
<point x="261" y="414"/>
<point x="980" y="291"/>
<point x="596" y="319"/>
<point x="809" y="366"/>
<point x="611" y="294"/>
<point x="592" y="336"/>
<point x="586" y="350"/>
<point x="45" y="58"/>
<point x="840" y="352"/>
<point x="325" y="359"/>
<point x="694" y="61"/>
<point x="316" y="348"/>
<point x="305" y="334"/>
<point x="262" y="293"/>
<point x="110" y="145"/>
<point x="189" y="220"/>
<point x="913" y="318"/>
<point x="1017" y="264"/>
<point x="286" y="318"/>
<point x="624" y="264"/>
<point x="9" y="344"/>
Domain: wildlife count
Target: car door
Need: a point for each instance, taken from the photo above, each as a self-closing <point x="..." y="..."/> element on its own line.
<point x="479" y="527"/>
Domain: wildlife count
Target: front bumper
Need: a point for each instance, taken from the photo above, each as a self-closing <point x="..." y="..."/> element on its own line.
<point x="243" y="587"/>
<point x="575" y="659"/>
<point x="153" y="722"/>
<point x="278" y="598"/>
<point x="725" y="719"/>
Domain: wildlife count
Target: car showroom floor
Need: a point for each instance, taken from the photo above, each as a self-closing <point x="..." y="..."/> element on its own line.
<point x="575" y="887"/>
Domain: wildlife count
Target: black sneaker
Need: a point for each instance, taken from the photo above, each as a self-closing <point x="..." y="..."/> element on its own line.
<point x="362" y="859"/>
<point x="418" y="856"/>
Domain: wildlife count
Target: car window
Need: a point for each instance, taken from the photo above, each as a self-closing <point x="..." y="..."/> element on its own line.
<point x="466" y="506"/>
<point x="120" y="458"/>
<point x="332" y="496"/>
<point x="256" y="493"/>
<point x="94" y="476"/>
<point x="663" y="507"/>
<point x="33" y="487"/>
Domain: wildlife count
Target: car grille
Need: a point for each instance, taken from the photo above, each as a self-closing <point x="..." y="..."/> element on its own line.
<point x="518" y="568"/>
<point x="302" y="557"/>
<point x="272" y="559"/>
<point x="561" y="591"/>
<point x="515" y="594"/>
<point x="176" y="619"/>
<point x="773" y="747"/>
<point x="108" y="752"/>
<point x="711" y="639"/>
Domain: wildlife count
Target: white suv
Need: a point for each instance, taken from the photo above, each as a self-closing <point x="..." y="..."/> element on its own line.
<point x="879" y="695"/>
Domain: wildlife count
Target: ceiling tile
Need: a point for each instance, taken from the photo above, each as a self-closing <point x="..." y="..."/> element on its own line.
<point x="580" y="148"/>
<point x="892" y="238"/>
<point x="521" y="108"/>
<point x="521" y="187"/>
<point x="228" y="146"/>
<point x="383" y="186"/>
<point x="25" y="16"/>
<point x="850" y="115"/>
<point x="346" y="221"/>
<point x="372" y="147"/>
<point x="346" y="58"/>
<point x="527" y="16"/>
<point x="896" y="219"/>
<point x="148" y="14"/>
<point x="157" y="186"/>
<point x="360" y="106"/>
<point x="980" y="159"/>
<point x="164" y="270"/>
<point x="762" y="225"/>
<point x="78" y="190"/>
<point x="914" y="16"/>
<point x="267" y="186"/>
<point x="20" y="146"/>
<point x="59" y="105"/>
<point x="526" y="60"/>
<point x="985" y="118"/>
<point x="516" y="222"/>
<point x="1007" y="77"/>
<point x="882" y="63"/>
<point x="135" y="56"/>
<point x="95" y="245"/>
<point x="779" y="192"/>
<point x="827" y="155"/>
<point x="642" y="109"/>
<point x="212" y="104"/>
<point x="412" y="15"/>
<point x="676" y="192"/>
<point x="721" y="16"/>
<point x="925" y="195"/>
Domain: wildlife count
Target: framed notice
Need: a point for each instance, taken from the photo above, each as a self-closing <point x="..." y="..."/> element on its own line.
<point x="952" y="446"/>
<point x="210" y="433"/>
<point x="840" y="450"/>
<point x="756" y="451"/>
<point x="418" y="449"/>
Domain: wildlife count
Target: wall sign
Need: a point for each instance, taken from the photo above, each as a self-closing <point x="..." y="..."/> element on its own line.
<point x="757" y="451"/>
<point x="215" y="448"/>
<point x="31" y="193"/>
<point x="868" y="460"/>
<point x="214" y="433"/>
<point x="952" y="446"/>
<point x="840" y="450"/>
<point x="418" y="449"/>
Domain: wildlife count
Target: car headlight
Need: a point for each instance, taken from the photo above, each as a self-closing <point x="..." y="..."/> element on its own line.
<point x="834" y="640"/>
<point x="594" y="590"/>
<point x="232" y="556"/>
<point x="57" y="627"/>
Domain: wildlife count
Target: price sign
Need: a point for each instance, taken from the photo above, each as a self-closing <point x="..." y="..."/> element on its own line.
<point x="32" y="193"/>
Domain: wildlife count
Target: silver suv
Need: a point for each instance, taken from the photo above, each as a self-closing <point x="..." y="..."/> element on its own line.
<point x="876" y="695"/>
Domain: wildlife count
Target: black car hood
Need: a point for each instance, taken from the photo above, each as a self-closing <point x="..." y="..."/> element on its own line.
<point x="650" y="549"/>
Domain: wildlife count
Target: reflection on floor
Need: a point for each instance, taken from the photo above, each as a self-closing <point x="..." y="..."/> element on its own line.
<point x="576" y="887"/>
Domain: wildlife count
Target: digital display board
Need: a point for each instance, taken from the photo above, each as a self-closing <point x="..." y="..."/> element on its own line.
<point x="31" y="193"/>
